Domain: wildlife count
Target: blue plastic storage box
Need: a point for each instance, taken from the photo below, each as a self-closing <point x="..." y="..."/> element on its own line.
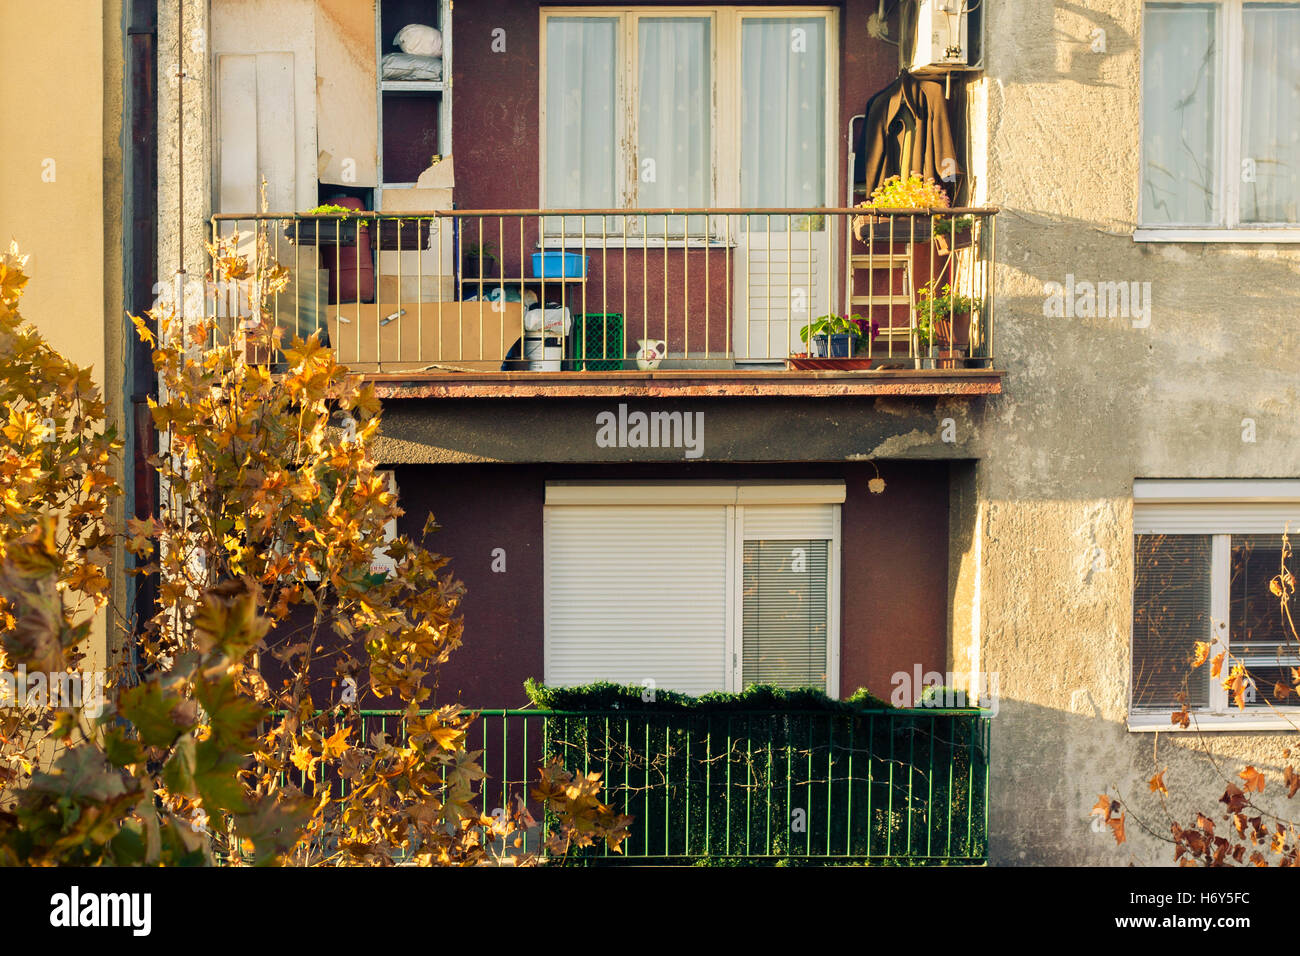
<point x="559" y="265"/>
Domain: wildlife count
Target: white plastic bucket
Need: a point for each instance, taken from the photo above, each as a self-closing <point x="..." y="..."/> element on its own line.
<point x="543" y="355"/>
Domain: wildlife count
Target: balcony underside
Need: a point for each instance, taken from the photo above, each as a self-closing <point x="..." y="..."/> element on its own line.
<point x="746" y="383"/>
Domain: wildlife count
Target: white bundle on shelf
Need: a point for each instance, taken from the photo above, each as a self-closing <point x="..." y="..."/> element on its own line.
<point x="420" y="40"/>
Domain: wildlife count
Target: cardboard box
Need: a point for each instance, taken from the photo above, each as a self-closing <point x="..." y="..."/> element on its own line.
<point x="440" y="175"/>
<point x="435" y="263"/>
<point x="473" y="336"/>
<point x="416" y="199"/>
<point x="416" y="288"/>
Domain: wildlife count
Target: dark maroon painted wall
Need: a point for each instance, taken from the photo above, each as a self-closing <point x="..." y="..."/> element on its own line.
<point x="894" y="574"/>
<point x="496" y="143"/>
<point x="495" y="115"/>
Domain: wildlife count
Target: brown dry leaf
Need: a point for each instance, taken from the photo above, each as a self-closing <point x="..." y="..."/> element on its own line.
<point x="1202" y="653"/>
<point x="1217" y="665"/>
<point x="1254" y="780"/>
<point x="1157" y="783"/>
<point x="1291" y="780"/>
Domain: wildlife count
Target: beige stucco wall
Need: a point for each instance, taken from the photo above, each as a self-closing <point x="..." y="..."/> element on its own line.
<point x="61" y="182"/>
<point x="51" y="168"/>
<point x="1091" y="404"/>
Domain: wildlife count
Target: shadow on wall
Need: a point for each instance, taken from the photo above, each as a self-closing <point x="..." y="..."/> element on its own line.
<point x="1088" y="48"/>
<point x="1032" y="32"/>
<point x="1050" y="765"/>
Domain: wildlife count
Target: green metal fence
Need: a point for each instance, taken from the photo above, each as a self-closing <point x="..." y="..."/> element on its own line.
<point x="896" y="786"/>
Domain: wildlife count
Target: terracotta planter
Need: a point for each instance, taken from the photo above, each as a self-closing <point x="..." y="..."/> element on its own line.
<point x="947" y="353"/>
<point x="829" y="364"/>
<point x="944" y="245"/>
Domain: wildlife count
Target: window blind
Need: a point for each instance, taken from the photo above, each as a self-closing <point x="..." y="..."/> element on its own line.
<point x="784" y="617"/>
<point x="1171" y="611"/>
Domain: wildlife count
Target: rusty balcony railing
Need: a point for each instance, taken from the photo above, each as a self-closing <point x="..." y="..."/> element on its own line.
<point x="608" y="291"/>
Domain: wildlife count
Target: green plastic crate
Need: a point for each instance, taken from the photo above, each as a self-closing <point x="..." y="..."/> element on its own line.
<point x="600" y="342"/>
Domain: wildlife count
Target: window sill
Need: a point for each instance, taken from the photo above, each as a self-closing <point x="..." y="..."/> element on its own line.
<point x="1284" y="234"/>
<point x="1230" y="723"/>
<point x="631" y="242"/>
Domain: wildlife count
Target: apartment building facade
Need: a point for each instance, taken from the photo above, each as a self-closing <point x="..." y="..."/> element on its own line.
<point x="600" y="369"/>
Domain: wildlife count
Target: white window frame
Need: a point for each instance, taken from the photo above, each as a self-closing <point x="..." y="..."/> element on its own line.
<point x="1229" y="39"/>
<point x="725" y="70"/>
<point x="734" y="496"/>
<point x="1220" y="508"/>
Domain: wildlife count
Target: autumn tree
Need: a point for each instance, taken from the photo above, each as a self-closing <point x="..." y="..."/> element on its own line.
<point x="1242" y="829"/>
<point x="273" y="558"/>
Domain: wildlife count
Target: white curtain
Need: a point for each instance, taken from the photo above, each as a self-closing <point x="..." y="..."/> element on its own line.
<point x="1180" y="75"/>
<point x="1270" y="130"/>
<point x="783" y="112"/>
<point x="581" y="86"/>
<point x="674" y="150"/>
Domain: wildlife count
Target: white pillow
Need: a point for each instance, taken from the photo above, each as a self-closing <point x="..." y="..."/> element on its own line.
<point x="419" y="39"/>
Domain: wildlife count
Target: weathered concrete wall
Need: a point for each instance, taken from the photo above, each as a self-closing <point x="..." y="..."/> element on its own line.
<point x="733" y="429"/>
<point x="1089" y="405"/>
<point x="184" y="139"/>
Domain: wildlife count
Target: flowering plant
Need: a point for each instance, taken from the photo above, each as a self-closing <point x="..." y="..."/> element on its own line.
<point x="914" y="192"/>
<point x="938" y="308"/>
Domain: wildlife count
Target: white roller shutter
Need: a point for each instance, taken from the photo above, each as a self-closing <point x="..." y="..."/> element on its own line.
<point x="696" y="586"/>
<point x="637" y="593"/>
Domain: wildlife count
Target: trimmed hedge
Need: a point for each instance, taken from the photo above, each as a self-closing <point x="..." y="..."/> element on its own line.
<point x="603" y="695"/>
<point x="770" y="775"/>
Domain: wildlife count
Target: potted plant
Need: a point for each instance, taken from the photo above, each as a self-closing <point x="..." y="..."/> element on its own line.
<point x="896" y="194"/>
<point x="836" y="341"/>
<point x="952" y="232"/>
<point x="325" y="232"/>
<point x="941" y="314"/>
<point x="478" y="260"/>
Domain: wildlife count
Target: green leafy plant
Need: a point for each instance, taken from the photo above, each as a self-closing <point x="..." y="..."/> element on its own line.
<point x="863" y="331"/>
<point x="329" y="209"/>
<point x="953" y="225"/>
<point x="938" y="310"/>
<point x="480" y="259"/>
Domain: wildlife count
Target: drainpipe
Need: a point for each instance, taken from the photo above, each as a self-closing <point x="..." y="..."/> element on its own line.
<point x="140" y="209"/>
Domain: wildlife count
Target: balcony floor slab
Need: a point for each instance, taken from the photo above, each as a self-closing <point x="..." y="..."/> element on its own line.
<point x="688" y="383"/>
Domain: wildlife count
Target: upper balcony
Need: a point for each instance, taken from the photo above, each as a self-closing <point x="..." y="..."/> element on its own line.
<point x="602" y="302"/>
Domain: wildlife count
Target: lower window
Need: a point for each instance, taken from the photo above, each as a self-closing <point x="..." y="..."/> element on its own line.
<point x="693" y="587"/>
<point x="1204" y="571"/>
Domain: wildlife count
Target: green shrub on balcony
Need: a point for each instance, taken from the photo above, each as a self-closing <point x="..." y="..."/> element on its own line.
<point x="776" y="776"/>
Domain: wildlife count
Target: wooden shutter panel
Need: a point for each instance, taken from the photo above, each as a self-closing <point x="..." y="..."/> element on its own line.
<point x="636" y="593"/>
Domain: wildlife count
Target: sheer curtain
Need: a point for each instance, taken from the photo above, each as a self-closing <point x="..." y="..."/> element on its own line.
<point x="581" y="87"/>
<point x="1180" y="75"/>
<point x="674" y="149"/>
<point x="1270" y="128"/>
<point x="783" y="112"/>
